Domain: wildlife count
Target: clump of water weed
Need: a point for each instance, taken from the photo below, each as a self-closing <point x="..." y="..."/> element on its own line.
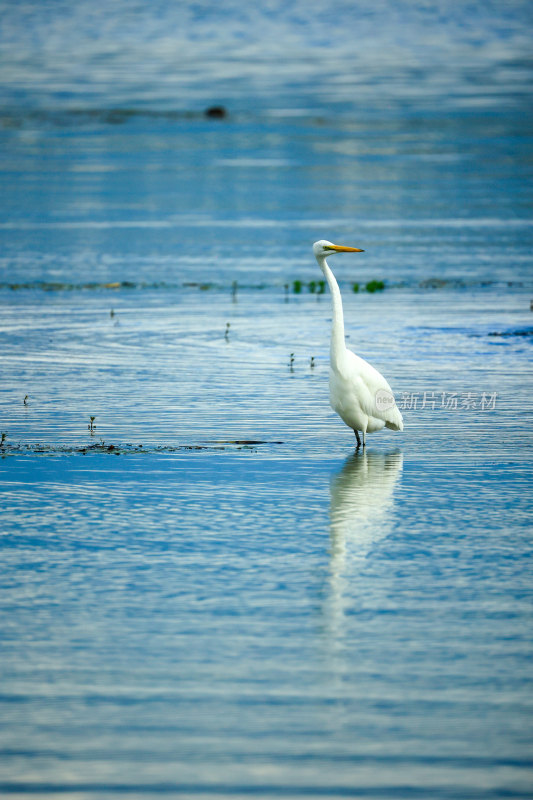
<point x="297" y="286"/>
<point x="317" y="287"/>
<point x="2" y="439"/>
<point x="355" y="287"/>
<point x="91" y="426"/>
<point x="375" y="286"/>
<point x="226" y="334"/>
<point x="291" y="362"/>
<point x="312" y="362"/>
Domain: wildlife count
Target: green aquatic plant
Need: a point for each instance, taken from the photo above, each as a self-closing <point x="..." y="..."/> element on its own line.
<point x="2" y="439"/>
<point x="312" y="286"/>
<point x="375" y="286"/>
<point x="355" y="287"/>
<point x="297" y="286"/>
<point x="291" y="362"/>
<point x="91" y="426"/>
<point x="226" y="334"/>
<point x="312" y="362"/>
<point x="26" y="398"/>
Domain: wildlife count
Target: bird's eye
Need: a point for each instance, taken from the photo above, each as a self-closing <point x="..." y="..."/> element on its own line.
<point x="325" y="247"/>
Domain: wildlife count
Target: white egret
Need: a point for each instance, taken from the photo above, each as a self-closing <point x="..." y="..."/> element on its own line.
<point x="358" y="393"/>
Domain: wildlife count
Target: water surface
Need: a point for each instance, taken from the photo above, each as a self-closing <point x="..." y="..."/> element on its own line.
<point x="210" y="593"/>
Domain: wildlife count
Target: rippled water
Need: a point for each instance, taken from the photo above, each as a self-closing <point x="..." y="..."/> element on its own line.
<point x="210" y="594"/>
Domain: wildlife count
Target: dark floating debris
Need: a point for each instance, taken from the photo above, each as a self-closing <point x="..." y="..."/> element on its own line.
<point x="456" y="283"/>
<point x="242" y="441"/>
<point x="101" y="447"/>
<point x="519" y="332"/>
<point x="216" y="112"/>
<point x="106" y="116"/>
<point x="435" y="283"/>
<point x="58" y="286"/>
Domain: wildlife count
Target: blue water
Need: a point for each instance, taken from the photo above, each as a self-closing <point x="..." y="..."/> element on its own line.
<point x="210" y="594"/>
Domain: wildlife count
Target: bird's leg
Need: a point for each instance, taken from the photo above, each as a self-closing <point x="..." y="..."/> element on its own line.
<point x="358" y="439"/>
<point x="364" y="443"/>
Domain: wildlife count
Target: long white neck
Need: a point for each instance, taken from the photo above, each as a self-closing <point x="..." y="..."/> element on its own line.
<point x="338" y="344"/>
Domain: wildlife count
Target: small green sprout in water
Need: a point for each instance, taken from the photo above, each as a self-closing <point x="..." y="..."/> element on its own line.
<point x="297" y="286"/>
<point x="91" y="426"/>
<point x="312" y="362"/>
<point x="112" y="313"/>
<point x="226" y="334"/>
<point x="2" y="440"/>
<point x="312" y="286"/>
<point x="26" y="400"/>
<point x="291" y="362"/>
<point x="375" y="286"/>
<point x="355" y="287"/>
<point x="321" y="287"/>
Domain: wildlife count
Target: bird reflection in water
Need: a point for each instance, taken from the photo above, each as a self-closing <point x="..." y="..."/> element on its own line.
<point x="360" y="515"/>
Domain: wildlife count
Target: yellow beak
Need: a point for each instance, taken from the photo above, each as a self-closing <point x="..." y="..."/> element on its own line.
<point x="340" y="249"/>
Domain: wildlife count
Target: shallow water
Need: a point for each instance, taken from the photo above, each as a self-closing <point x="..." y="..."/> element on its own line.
<point x="210" y="594"/>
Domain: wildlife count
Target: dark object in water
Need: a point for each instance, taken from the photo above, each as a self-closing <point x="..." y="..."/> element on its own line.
<point x="125" y="449"/>
<point x="216" y="112"/>
<point x="519" y="332"/>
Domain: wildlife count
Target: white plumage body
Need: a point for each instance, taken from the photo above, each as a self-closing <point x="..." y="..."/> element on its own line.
<point x="355" y="390"/>
<point x="358" y="392"/>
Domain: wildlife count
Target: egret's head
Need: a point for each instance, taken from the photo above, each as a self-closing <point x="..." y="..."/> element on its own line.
<point x="324" y="248"/>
